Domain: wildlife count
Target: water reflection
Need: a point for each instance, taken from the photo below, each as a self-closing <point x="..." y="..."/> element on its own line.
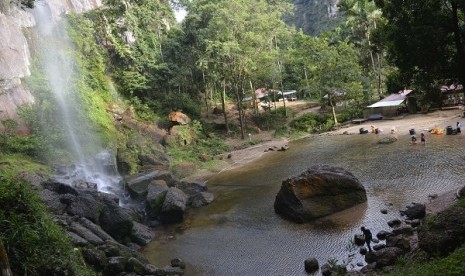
<point x="239" y="233"/>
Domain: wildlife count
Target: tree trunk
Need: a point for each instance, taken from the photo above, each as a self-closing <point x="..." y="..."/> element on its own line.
<point x="4" y="263"/>
<point x="239" y="108"/>
<point x="223" y="105"/>
<point x="281" y="75"/>
<point x="380" y="88"/>
<point x="372" y="59"/>
<point x="306" y="81"/>
<point x="333" y="109"/>
<point x="206" y="94"/>
<point x="254" y="98"/>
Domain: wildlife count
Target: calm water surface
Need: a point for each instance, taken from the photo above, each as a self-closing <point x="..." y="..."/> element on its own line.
<point x="239" y="233"/>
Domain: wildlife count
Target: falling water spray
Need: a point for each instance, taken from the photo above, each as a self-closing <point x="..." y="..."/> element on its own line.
<point x="55" y="55"/>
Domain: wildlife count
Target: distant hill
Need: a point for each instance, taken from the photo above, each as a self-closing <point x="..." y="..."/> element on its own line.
<point x="316" y="16"/>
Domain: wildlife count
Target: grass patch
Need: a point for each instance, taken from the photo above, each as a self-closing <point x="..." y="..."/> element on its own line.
<point x="11" y="165"/>
<point x="449" y="266"/>
<point x="34" y="243"/>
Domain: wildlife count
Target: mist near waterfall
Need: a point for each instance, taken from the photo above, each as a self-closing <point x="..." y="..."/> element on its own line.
<point x="84" y="159"/>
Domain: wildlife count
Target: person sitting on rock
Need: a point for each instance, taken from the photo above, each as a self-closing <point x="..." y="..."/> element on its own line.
<point x="368" y="237"/>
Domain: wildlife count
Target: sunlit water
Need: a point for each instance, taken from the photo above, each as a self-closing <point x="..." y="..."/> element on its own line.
<point x="239" y="233"/>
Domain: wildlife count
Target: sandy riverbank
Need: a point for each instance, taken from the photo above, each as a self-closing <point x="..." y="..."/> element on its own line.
<point x="402" y="124"/>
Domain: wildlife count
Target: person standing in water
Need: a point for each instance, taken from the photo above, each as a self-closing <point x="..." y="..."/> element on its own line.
<point x="459" y="126"/>
<point x="423" y="138"/>
<point x="368" y="237"/>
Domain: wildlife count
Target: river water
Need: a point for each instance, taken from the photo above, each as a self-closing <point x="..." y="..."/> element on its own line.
<point x="239" y="233"/>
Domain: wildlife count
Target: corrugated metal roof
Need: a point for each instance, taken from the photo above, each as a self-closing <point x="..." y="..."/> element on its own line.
<point x="392" y="100"/>
<point x="387" y="103"/>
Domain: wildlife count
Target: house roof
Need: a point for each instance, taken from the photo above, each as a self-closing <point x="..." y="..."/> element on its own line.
<point x="451" y="88"/>
<point x="392" y="100"/>
<point x="289" y="92"/>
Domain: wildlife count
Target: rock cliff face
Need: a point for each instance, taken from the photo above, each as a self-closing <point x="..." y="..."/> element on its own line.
<point x="315" y="16"/>
<point x="15" y="56"/>
<point x="319" y="191"/>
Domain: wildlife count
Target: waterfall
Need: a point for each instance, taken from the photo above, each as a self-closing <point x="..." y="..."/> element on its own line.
<point x="92" y="163"/>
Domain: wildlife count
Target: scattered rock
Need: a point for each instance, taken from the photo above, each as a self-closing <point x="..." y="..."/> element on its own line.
<point x="384" y="211"/>
<point x="116" y="221"/>
<point x="382" y="234"/>
<point x="202" y="199"/>
<point x="178" y="263"/>
<point x="404" y="230"/>
<point x="156" y="193"/>
<point x="415" y="211"/>
<point x="377" y="247"/>
<point x="433" y="196"/>
<point x="415" y="222"/>
<point x="141" y="234"/>
<point x="76" y="239"/>
<point x="363" y="251"/>
<point x="384" y="257"/>
<point x="95" y="258"/>
<point x="138" y="184"/>
<point x="311" y="265"/>
<point x="173" y="206"/>
<point x="178" y="118"/>
<point x="136" y="266"/>
<point x="326" y="270"/>
<point x="115" y="265"/>
<point x="359" y="239"/>
<point x="394" y="223"/>
<point x="192" y="188"/>
<point x="398" y="241"/>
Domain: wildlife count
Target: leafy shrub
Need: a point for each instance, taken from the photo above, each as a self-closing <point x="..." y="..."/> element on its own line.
<point x="312" y="123"/>
<point x="270" y="120"/>
<point x="29" y="145"/>
<point x="194" y="145"/>
<point x="349" y="114"/>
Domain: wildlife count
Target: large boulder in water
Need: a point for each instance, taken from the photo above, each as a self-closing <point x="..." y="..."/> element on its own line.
<point x="319" y="191"/>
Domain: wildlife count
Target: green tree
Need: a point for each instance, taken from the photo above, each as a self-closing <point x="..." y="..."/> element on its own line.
<point x="362" y="18"/>
<point x="425" y="42"/>
<point x="332" y="70"/>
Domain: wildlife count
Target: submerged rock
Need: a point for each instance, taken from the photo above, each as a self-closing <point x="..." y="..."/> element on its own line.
<point x="319" y="191"/>
<point x="387" y="140"/>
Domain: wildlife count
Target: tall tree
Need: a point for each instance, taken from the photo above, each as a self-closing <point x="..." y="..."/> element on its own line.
<point x="425" y="41"/>
<point x="362" y="19"/>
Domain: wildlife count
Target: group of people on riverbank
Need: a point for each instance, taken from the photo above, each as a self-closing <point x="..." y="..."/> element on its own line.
<point x="449" y="130"/>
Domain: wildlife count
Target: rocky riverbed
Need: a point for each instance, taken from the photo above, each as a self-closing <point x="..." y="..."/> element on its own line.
<point x="110" y="228"/>
<point x="408" y="237"/>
